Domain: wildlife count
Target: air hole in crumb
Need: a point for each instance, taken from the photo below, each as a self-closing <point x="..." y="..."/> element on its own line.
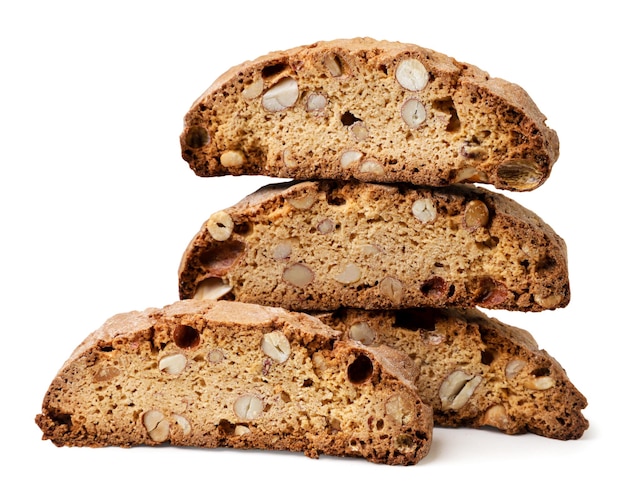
<point x="491" y="243"/>
<point x="546" y="263"/>
<point x="360" y="370"/>
<point x="334" y="425"/>
<point x="226" y="427"/>
<point x="106" y="348"/>
<point x="196" y="136"/>
<point x="541" y="371"/>
<point x="271" y="70"/>
<point x="335" y="199"/>
<point x="340" y="315"/>
<point x="307" y="383"/>
<point x="486" y="357"/>
<point x="405" y="441"/>
<point x="414" y="319"/>
<point x="434" y="287"/>
<point x="244" y="228"/>
<point x="186" y="336"/>
<point x="61" y="418"/>
<point x="447" y="107"/>
<point x="348" y="118"/>
<point x="286" y="398"/>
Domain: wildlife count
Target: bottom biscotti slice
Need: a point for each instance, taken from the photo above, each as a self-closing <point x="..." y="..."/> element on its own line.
<point x="210" y="374"/>
<point x="474" y="370"/>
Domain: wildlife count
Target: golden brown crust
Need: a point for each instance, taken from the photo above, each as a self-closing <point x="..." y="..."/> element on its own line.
<point x="324" y="245"/>
<point x="512" y="384"/>
<point x="210" y="374"/>
<point x="345" y="96"/>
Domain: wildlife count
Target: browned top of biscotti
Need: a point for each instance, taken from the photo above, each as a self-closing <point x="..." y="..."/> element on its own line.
<point x="324" y="245"/>
<point x="133" y="324"/>
<point x="475" y="370"/>
<point x="218" y="373"/>
<point x="372" y="110"/>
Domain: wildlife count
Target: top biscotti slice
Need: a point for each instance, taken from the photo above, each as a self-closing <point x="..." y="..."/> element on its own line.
<point x="371" y="110"/>
<point x="328" y="244"/>
<point x="226" y="374"/>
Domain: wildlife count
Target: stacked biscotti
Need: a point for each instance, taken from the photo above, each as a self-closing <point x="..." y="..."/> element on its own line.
<point x="338" y="312"/>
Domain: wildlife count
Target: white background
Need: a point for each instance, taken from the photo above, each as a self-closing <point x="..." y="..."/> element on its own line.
<point x="97" y="205"/>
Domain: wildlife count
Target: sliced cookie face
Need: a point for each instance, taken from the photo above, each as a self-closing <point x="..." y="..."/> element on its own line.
<point x="475" y="371"/>
<point x="324" y="245"/>
<point x="369" y="110"/>
<point x="211" y="374"/>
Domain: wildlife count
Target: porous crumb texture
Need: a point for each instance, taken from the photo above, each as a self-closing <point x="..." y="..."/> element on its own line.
<point x="210" y="374"/>
<point x="329" y="244"/>
<point x="475" y="371"/>
<point x="369" y="110"/>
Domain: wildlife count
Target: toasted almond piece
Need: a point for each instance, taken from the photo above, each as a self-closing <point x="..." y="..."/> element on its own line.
<point x="276" y="345"/>
<point x="424" y="210"/>
<point x="232" y="158"/>
<point x="349" y="157"/>
<point x="413" y="113"/>
<point x="350" y="274"/>
<point x="412" y="74"/>
<point x="212" y="288"/>
<point x="282" y="95"/>
<point x="173" y="364"/>
<point x="253" y="90"/>
<point x="248" y="407"/>
<point x="299" y="275"/>
<point x="220" y="225"/>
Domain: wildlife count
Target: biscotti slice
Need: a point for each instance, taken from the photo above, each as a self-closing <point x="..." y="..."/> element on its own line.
<point x="322" y="245"/>
<point x="474" y="370"/>
<point x="371" y="110"/>
<point x="211" y="374"/>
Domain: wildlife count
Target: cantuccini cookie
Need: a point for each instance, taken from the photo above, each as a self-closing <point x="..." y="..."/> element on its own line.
<point x="211" y="374"/>
<point x="330" y="244"/>
<point x="474" y="370"/>
<point x="371" y="110"/>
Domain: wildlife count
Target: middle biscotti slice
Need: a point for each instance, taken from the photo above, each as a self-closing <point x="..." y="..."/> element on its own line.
<point x="322" y="245"/>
